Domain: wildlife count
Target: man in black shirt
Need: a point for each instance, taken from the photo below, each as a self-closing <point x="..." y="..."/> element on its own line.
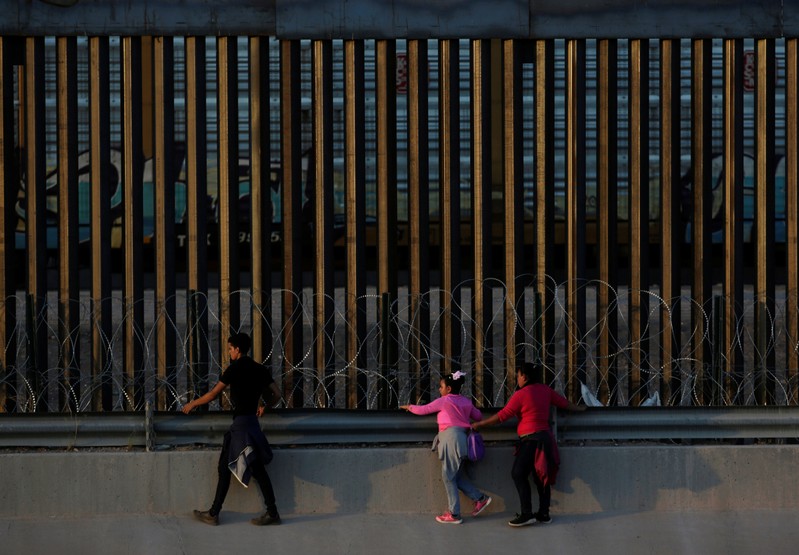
<point x="245" y="449"/>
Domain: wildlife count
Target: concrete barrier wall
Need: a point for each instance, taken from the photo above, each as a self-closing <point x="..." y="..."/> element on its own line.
<point x="399" y="480"/>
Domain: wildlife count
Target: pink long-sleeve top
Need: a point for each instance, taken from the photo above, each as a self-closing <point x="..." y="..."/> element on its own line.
<point x="453" y="410"/>
<point x="531" y="405"/>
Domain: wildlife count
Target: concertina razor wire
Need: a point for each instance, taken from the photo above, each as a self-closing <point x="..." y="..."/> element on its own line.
<point x="702" y="362"/>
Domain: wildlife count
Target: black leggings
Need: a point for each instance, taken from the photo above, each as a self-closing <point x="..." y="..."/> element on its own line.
<point x="258" y="469"/>
<point x="523" y="466"/>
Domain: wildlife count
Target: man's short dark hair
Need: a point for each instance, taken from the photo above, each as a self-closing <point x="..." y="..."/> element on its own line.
<point x="240" y="340"/>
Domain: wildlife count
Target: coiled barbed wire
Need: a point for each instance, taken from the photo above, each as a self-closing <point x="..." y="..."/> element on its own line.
<point x="734" y="370"/>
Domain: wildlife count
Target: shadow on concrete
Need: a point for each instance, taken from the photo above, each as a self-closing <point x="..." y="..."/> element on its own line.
<point x="645" y="477"/>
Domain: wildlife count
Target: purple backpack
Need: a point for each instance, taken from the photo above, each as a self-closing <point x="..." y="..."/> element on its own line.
<point x="475" y="449"/>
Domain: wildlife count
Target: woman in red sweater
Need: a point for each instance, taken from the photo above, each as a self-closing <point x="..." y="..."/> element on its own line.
<point x="530" y="404"/>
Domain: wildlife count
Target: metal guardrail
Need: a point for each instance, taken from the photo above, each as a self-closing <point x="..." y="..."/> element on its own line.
<point x="679" y="423"/>
<point x="326" y="427"/>
<point x="168" y="429"/>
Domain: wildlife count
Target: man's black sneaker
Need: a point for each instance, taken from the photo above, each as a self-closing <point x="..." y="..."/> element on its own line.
<point x="206" y="517"/>
<point x="522" y="520"/>
<point x="543" y="518"/>
<point x="266" y="519"/>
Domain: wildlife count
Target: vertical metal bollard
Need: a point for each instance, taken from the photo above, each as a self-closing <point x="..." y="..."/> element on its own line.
<point x="538" y="337"/>
<point x="387" y="396"/>
<point x="384" y="393"/>
<point x="761" y="365"/>
<point x="149" y="428"/>
<point x="193" y="338"/>
<point x="717" y="355"/>
<point x="31" y="351"/>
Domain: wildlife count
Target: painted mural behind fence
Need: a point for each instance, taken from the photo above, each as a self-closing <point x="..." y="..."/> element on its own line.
<point x="115" y="185"/>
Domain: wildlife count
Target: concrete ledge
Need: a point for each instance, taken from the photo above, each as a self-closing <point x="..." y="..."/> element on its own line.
<point x="399" y="480"/>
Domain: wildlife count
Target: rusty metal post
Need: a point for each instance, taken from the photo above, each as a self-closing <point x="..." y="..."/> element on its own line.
<point x="228" y="125"/>
<point x="607" y="221"/>
<point x="449" y="183"/>
<point x="322" y="101"/>
<point x="701" y="160"/>
<point x="164" y="99"/>
<point x="291" y="198"/>
<point x="384" y="387"/>
<point x="261" y="199"/>
<point x="575" y="214"/>
<point x="386" y="126"/>
<point x="132" y="221"/>
<point x="419" y="217"/>
<point x="197" y="214"/>
<point x="733" y="298"/>
<point x="9" y="186"/>
<point x="671" y="236"/>
<point x="764" y="216"/>
<point x="514" y="214"/>
<point x="35" y="226"/>
<point x="639" y="215"/>
<point x="716" y="365"/>
<point x="545" y="190"/>
<point x="68" y="286"/>
<point x="355" y="214"/>
<point x="100" y="104"/>
<point x="33" y="397"/>
<point x="482" y="307"/>
<point x="792" y="213"/>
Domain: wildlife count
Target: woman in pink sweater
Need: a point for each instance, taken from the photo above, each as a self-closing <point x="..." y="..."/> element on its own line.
<point x="530" y="404"/>
<point x="455" y="414"/>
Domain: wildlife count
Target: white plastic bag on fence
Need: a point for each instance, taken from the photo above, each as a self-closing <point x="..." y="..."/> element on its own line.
<point x="652" y="401"/>
<point x="589" y="398"/>
<point x="591" y="401"/>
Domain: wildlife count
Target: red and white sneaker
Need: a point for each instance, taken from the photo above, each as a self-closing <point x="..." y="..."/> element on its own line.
<point x="480" y="505"/>
<point x="449" y="518"/>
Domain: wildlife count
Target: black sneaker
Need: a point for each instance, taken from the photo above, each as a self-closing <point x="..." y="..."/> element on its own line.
<point x="206" y="517"/>
<point x="543" y="518"/>
<point x="522" y="520"/>
<point x="266" y="519"/>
